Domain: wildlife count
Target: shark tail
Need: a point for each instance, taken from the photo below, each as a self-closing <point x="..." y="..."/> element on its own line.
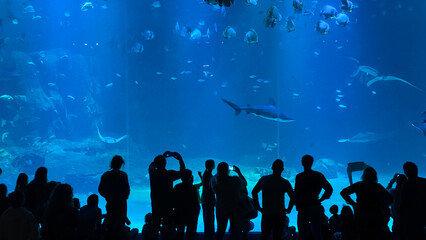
<point x="234" y="106"/>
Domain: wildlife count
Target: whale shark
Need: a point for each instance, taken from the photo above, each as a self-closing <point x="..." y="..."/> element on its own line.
<point x="269" y="111"/>
<point x="109" y="139"/>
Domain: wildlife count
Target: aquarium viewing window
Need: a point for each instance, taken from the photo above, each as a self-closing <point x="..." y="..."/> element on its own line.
<point x="83" y="81"/>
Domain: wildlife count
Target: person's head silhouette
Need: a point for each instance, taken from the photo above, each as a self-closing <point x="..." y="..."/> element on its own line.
<point x="93" y="200"/>
<point x="369" y="175"/>
<point x="187" y="176"/>
<point x="117" y="162"/>
<point x="278" y="166"/>
<point x="41" y="175"/>
<point x="222" y="169"/>
<point x="307" y="162"/>
<point x="160" y="162"/>
<point x="411" y="170"/>
<point x="210" y="164"/>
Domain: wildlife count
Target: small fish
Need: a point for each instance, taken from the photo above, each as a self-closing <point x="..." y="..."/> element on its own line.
<point x="215" y="27"/>
<point x="136" y="82"/>
<point x="138" y="48"/>
<point x="51" y="84"/>
<point x="71" y="97"/>
<point x="189" y="61"/>
<point x="195" y="35"/>
<point x="109" y="85"/>
<point x="15" y="21"/>
<point x="319" y="107"/>
<point x="316" y="53"/>
<point x="177" y="27"/>
<point x="328" y="11"/>
<point x="30" y="63"/>
<point x="290" y="25"/>
<point x="173" y="78"/>
<point x="256" y="87"/>
<point x="29" y="9"/>
<point x="342" y="106"/>
<point x="4" y="136"/>
<point x="251" y="37"/>
<point x="229" y="32"/>
<point x="338" y="91"/>
<point x="148" y="35"/>
<point x="201" y="80"/>
<point x="37" y="17"/>
<point x="322" y="27"/>
<point x="159" y="73"/>
<point x="224" y="84"/>
<point x="251" y="2"/>
<point x="373" y="92"/>
<point x="86" y="6"/>
<point x="342" y="19"/>
<point x="266" y="81"/>
<point x="339" y="47"/>
<point x="296" y="94"/>
<point x="252" y="76"/>
<point x="6" y="97"/>
<point x="156" y="4"/>
<point x="298" y="6"/>
<point x="337" y="99"/>
<point x="340" y="95"/>
<point x="201" y="23"/>
<point x="118" y="75"/>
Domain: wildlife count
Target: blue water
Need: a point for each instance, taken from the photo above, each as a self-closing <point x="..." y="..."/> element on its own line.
<point x="70" y="71"/>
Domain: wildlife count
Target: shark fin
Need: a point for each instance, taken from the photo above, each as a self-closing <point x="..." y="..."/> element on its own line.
<point x="234" y="106"/>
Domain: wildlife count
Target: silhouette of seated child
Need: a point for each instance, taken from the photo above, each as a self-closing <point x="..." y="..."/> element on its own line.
<point x="335" y="221"/>
<point x="90" y="219"/>
<point x="148" y="228"/>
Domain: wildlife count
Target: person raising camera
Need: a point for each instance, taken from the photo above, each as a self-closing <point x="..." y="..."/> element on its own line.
<point x="161" y="181"/>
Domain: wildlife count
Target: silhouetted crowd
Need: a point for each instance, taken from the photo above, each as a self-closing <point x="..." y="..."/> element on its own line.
<point x="47" y="210"/>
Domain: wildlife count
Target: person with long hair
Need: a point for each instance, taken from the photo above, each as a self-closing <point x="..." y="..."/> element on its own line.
<point x="371" y="207"/>
<point x="115" y="188"/>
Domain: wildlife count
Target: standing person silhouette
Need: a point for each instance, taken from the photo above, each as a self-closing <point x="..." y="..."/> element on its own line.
<point x="413" y="203"/>
<point x="307" y="189"/>
<point x="208" y="200"/>
<point x="273" y="188"/>
<point x="371" y="207"/>
<point x="161" y="181"/>
<point x="114" y="187"/>
<point x="229" y="191"/>
<point x="186" y="207"/>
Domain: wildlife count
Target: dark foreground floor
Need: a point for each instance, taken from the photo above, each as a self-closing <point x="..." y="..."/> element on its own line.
<point x="252" y="236"/>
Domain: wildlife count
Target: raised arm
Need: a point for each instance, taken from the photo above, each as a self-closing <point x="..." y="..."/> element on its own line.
<point x="238" y="171"/>
<point x="181" y="163"/>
